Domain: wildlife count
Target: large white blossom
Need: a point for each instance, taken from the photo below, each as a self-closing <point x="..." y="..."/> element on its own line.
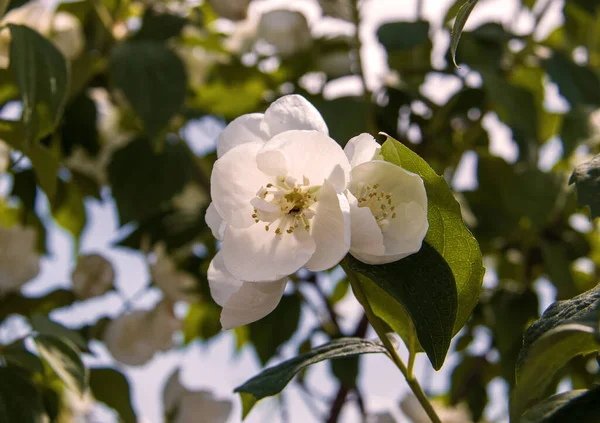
<point x="388" y="205"/>
<point x="93" y="276"/>
<point x="61" y="28"/>
<point x="19" y="260"/>
<point x="286" y="30"/>
<point x="278" y="205"/>
<point x="182" y="405"/>
<point x="174" y="283"/>
<point x="134" y="338"/>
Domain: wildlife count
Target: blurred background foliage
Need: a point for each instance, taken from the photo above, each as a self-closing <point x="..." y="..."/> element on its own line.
<point x="147" y="79"/>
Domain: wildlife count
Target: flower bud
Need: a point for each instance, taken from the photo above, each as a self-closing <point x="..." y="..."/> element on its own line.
<point x="19" y="260"/>
<point x="93" y="276"/>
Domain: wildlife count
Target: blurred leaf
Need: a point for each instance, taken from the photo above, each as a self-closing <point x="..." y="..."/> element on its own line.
<point x="42" y="75"/>
<point x="16" y="354"/>
<point x="3" y="6"/>
<point x="138" y="180"/>
<point x="277" y="327"/>
<point x="403" y="35"/>
<point x="87" y="185"/>
<point x="79" y="126"/>
<point x="578" y="84"/>
<point x="461" y="19"/>
<point x="201" y="322"/>
<point x="447" y="232"/>
<point x="468" y="383"/>
<point x="586" y="178"/>
<point x="424" y="286"/>
<point x="345" y="370"/>
<point x="68" y="210"/>
<point x="558" y="267"/>
<point x="153" y="79"/>
<point x="46" y="163"/>
<point x="340" y="291"/>
<point x="20" y="401"/>
<point x="274" y="379"/>
<point x="575" y="129"/>
<point x="112" y="388"/>
<point x="575" y="406"/>
<point x="354" y="110"/>
<point x="64" y="358"/>
<point x="15" y="303"/>
<point x="25" y="188"/>
<point x="44" y="326"/>
<point x="158" y="26"/>
<point x="545" y="357"/>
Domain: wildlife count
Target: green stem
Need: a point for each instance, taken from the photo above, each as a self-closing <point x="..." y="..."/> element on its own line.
<point x="387" y="343"/>
<point x="412" y="347"/>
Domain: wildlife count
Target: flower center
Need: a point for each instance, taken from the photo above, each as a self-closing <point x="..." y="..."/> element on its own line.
<point x="286" y="201"/>
<point x="380" y="202"/>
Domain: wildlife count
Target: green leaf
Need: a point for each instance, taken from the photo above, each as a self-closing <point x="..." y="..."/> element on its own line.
<point x="345" y="370"/>
<point x="42" y="74"/>
<point x="403" y="35"/>
<point x="68" y="210"/>
<point x="468" y="384"/>
<point x="44" y="326"/>
<point x="576" y="129"/>
<point x="581" y="405"/>
<point x="153" y="79"/>
<point x="586" y="178"/>
<point x="274" y="379"/>
<point x="461" y="19"/>
<point x="112" y="388"/>
<point x="157" y="26"/>
<point x="424" y="286"/>
<point x="277" y="327"/>
<point x="137" y="177"/>
<point x="3" y="6"/>
<point x="63" y="357"/>
<point x="447" y="231"/>
<point x="580" y="85"/>
<point x="201" y="322"/>
<point x="46" y="163"/>
<point x="17" y="354"/>
<point x="15" y="303"/>
<point x="20" y="401"/>
<point x="354" y="110"/>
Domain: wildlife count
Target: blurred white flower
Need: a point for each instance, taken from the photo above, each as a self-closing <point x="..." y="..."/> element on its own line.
<point x="414" y="411"/>
<point x="286" y="30"/>
<point x="336" y="63"/>
<point x="93" y="276"/>
<point x="191" y="199"/>
<point x="175" y="284"/>
<point x="198" y="61"/>
<point x="185" y="406"/>
<point x="341" y="9"/>
<point x="62" y="29"/>
<point x="134" y="338"/>
<point x="388" y="205"/>
<point x="19" y="260"/>
<point x="235" y="10"/>
<point x="277" y="205"/>
<point x="241" y="40"/>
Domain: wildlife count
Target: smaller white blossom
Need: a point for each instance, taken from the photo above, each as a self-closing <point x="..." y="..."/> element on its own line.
<point x="134" y="338"/>
<point x="177" y="285"/>
<point x="93" y="276"/>
<point x="182" y="405"/>
<point x="286" y="30"/>
<point x="61" y="28"/>
<point x="388" y="205"/>
<point x="19" y="260"/>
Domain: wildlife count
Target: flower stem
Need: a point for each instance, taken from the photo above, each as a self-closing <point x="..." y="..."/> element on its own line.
<point x="387" y="343"/>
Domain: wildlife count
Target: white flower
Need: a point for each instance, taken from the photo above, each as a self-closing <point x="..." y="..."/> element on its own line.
<point x="234" y="10"/>
<point x="134" y="338"/>
<point x="62" y="29"/>
<point x="93" y="276"/>
<point x="175" y="284"/>
<point x="184" y="406"/>
<point x="414" y="411"/>
<point x="286" y="30"/>
<point x="277" y="199"/>
<point x="388" y="205"/>
<point x="19" y="260"/>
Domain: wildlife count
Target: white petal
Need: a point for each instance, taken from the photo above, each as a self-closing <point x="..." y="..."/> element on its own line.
<point x="252" y="302"/>
<point x="330" y="229"/>
<point x="292" y="112"/>
<point x="310" y="154"/>
<point x="241" y="130"/>
<point x="254" y="254"/>
<point x="272" y="162"/>
<point x="366" y="234"/>
<point x="215" y="222"/>
<point x="362" y="148"/>
<point x="234" y="181"/>
<point x="221" y="283"/>
<point x="406" y="232"/>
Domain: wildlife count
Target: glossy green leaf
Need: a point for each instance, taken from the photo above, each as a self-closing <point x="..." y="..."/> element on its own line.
<point x="447" y="231"/>
<point x="153" y="79"/>
<point x="586" y="178"/>
<point x="45" y="162"/>
<point x="20" y="401"/>
<point x="45" y="326"/>
<point x="42" y="75"/>
<point x="274" y="379"/>
<point x="424" y="286"/>
<point x="112" y="388"/>
<point x="575" y="406"/>
<point x="63" y="357"/>
<point x="277" y="327"/>
<point x="17" y="354"/>
<point x="459" y="24"/>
